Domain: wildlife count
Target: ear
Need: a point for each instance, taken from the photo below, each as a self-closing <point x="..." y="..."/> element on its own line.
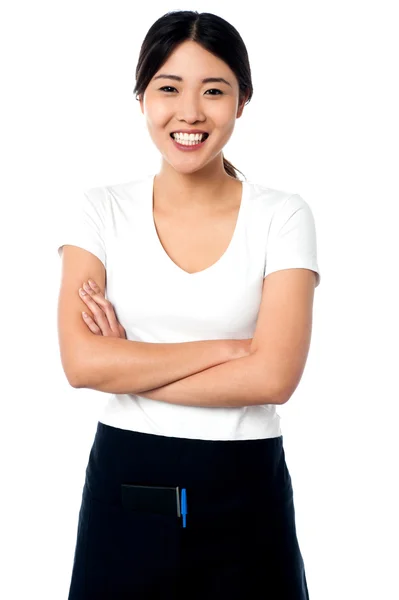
<point x="241" y="105"/>
<point x="141" y="103"/>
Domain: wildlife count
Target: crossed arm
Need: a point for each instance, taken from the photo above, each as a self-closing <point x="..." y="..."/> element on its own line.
<point x="237" y="382"/>
<point x="279" y="349"/>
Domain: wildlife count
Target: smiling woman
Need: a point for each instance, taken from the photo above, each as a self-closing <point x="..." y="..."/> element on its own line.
<point x="187" y="58"/>
<point x="199" y="328"/>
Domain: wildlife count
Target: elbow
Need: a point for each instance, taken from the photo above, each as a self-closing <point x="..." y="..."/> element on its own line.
<point x="284" y="392"/>
<point x="76" y="366"/>
<point x="74" y="375"/>
<point x="74" y="380"/>
<point x="275" y="394"/>
<point x="269" y="388"/>
<point x="273" y="398"/>
<point x="76" y="384"/>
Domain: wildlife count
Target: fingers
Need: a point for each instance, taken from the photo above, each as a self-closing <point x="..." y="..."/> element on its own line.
<point x="101" y="308"/>
<point x="91" y="324"/>
<point x="94" y="286"/>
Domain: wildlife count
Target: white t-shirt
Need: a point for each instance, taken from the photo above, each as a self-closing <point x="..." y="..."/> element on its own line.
<point x="156" y="301"/>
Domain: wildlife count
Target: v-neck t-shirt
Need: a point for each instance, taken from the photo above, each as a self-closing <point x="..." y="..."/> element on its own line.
<point x="156" y="301"/>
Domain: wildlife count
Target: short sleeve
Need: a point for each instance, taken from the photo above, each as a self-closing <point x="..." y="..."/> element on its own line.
<point x="292" y="239"/>
<point x="83" y="223"/>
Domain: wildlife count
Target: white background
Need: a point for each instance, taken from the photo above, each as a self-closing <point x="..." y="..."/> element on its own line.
<point x="323" y="122"/>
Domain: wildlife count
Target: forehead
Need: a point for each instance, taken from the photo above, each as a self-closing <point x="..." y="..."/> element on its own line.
<point x="192" y="62"/>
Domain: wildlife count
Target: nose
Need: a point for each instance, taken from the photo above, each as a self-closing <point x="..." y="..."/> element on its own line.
<point x="190" y="108"/>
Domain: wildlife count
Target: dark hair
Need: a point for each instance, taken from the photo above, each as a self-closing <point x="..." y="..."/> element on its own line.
<point x="210" y="31"/>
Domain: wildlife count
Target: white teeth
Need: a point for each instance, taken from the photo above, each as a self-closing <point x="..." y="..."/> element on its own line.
<point x="188" y="139"/>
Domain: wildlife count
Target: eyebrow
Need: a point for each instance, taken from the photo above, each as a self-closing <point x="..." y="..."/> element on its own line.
<point x="206" y="80"/>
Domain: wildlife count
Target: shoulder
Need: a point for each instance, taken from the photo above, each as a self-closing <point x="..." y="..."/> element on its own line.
<point x="132" y="188"/>
<point x="282" y="202"/>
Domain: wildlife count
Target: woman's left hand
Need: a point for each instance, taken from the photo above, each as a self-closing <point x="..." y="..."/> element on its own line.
<point x="104" y="321"/>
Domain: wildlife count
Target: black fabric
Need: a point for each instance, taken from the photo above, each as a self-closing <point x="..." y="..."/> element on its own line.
<point x="240" y="538"/>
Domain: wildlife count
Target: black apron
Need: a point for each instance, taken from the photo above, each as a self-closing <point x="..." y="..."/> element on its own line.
<point x="233" y="536"/>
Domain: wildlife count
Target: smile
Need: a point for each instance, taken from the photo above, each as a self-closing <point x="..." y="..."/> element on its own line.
<point x="189" y="147"/>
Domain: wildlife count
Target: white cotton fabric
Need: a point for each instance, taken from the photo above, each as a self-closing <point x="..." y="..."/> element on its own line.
<point x="158" y="302"/>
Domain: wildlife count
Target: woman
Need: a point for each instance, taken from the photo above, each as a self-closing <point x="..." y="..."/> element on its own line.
<point x="187" y="493"/>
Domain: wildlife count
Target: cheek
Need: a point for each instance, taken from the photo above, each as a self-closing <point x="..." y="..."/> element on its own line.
<point x="156" y="120"/>
<point x="225" y="129"/>
<point x="223" y="118"/>
<point x="157" y="113"/>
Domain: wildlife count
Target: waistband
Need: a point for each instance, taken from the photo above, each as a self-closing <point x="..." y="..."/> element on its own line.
<point x="202" y="479"/>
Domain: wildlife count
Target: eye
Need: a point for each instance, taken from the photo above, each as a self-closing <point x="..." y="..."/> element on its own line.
<point x="165" y="87"/>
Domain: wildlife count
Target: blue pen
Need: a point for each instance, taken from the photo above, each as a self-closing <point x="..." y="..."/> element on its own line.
<point x="184" y="505"/>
